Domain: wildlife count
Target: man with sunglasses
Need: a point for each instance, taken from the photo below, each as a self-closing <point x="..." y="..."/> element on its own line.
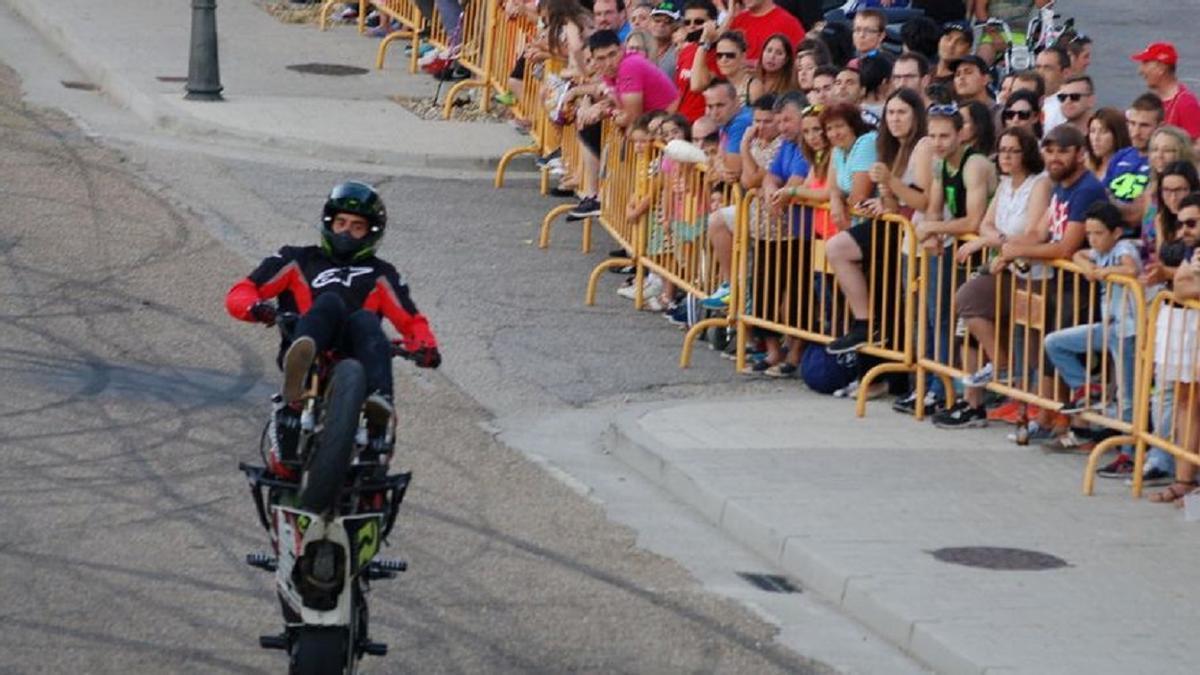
<point x="1077" y="98"/>
<point x="1052" y="64"/>
<point x="664" y="19"/>
<point x="696" y="15"/>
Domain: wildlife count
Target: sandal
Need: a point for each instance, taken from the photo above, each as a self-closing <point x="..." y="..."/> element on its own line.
<point x="1174" y="492"/>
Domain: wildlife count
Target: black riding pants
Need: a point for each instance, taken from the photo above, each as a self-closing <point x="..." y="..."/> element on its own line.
<point x="357" y="334"/>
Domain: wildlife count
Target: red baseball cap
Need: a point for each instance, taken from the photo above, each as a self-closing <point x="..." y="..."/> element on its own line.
<point x="1163" y="52"/>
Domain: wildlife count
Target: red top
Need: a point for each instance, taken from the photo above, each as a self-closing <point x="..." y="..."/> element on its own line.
<point x="1183" y="111"/>
<point x="691" y="103"/>
<point x="757" y="29"/>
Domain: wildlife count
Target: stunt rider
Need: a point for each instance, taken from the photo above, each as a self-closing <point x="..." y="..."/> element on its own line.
<point x="341" y="290"/>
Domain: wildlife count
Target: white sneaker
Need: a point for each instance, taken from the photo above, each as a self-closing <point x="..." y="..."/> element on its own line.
<point x="980" y="377"/>
<point x="651" y="286"/>
<point x="848" y="391"/>
<point x="651" y="303"/>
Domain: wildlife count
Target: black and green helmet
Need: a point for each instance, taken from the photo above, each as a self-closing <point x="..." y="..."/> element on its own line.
<point x="359" y="199"/>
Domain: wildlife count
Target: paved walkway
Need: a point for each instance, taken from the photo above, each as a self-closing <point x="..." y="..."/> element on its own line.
<point x="852" y="509"/>
<point x="126" y="46"/>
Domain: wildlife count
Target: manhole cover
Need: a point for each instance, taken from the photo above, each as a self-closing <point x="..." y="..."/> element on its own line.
<point x="771" y="583"/>
<point x="997" y="558"/>
<point x="85" y="86"/>
<point x="334" y="69"/>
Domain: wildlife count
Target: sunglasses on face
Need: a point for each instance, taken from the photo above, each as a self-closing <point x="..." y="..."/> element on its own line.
<point x="727" y="55"/>
<point x="1016" y="114"/>
<point x="1063" y="98"/>
<point x="693" y="22"/>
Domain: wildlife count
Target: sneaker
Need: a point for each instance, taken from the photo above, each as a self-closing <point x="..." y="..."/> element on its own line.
<point x="348" y="13"/>
<point x="1153" y="477"/>
<point x="849" y="342"/>
<point x="651" y="303"/>
<point x="730" y="351"/>
<point x="719" y="299"/>
<point x="651" y="287"/>
<point x="961" y="415"/>
<point x="627" y="269"/>
<point x="1035" y="433"/>
<point x="1083" y="398"/>
<point x="549" y="160"/>
<point x="379" y="410"/>
<point x="296" y="364"/>
<point x="979" y="378"/>
<point x="285" y="430"/>
<point x="678" y="316"/>
<point x="1066" y="442"/>
<point x="1121" y="467"/>
<point x="782" y="370"/>
<point x="506" y="99"/>
<point x="908" y="404"/>
<point x="587" y="208"/>
<point x="848" y="391"/>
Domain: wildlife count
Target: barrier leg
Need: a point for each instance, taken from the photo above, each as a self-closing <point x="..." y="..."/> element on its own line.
<point x="381" y="53"/>
<point x="324" y="14"/>
<point x="882" y="369"/>
<point x="594" y="279"/>
<point x="544" y="236"/>
<point x="689" y="340"/>
<point x="587" y="235"/>
<point x="1089" y="472"/>
<point x="919" y="411"/>
<point x="362" y="16"/>
<point x="740" y="361"/>
<point x="453" y="94"/>
<point x="507" y="157"/>
<point x="545" y="186"/>
<point x="948" y="387"/>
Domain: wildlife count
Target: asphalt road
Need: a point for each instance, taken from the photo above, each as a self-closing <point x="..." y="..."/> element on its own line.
<point x="131" y="396"/>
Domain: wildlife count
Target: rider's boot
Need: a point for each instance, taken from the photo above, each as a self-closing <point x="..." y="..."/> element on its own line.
<point x="296" y="364"/>
<point x="285" y="429"/>
<point x="379" y="412"/>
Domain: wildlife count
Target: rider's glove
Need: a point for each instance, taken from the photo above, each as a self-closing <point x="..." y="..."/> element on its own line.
<point x="427" y="357"/>
<point x="263" y="312"/>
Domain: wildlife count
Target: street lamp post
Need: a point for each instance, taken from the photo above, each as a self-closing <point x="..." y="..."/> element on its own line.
<point x="204" y="71"/>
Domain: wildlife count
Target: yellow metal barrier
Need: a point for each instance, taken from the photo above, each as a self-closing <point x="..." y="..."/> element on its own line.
<point x="628" y="192"/>
<point x="472" y="52"/>
<point x="573" y="168"/>
<point x="531" y="109"/>
<point x="791" y="290"/>
<point x="1170" y="367"/>
<point x="403" y="11"/>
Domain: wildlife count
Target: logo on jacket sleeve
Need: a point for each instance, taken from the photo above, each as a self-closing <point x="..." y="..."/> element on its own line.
<point x="340" y="275"/>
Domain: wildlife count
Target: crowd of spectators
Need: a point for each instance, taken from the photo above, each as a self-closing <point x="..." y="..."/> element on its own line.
<point x="940" y="129"/>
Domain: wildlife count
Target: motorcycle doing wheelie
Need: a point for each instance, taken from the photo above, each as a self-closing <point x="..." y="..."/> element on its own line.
<point x="328" y="509"/>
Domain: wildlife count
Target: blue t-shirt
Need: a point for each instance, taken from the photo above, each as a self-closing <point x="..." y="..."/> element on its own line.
<point x="1128" y="174"/>
<point x="734" y="129"/>
<point x="1116" y="310"/>
<point x="625" y="31"/>
<point x="860" y="158"/>
<point x="789" y="162"/>
<point x="1070" y="203"/>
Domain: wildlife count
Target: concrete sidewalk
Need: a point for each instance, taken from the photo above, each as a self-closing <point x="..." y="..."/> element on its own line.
<point x="126" y="46"/>
<point x="853" y="509"/>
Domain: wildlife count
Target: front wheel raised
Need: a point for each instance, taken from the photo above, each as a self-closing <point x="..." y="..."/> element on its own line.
<point x="318" y="651"/>
<point x="325" y="470"/>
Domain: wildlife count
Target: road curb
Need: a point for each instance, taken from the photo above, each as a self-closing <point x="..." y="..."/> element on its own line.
<point x="916" y="636"/>
<point x="170" y="118"/>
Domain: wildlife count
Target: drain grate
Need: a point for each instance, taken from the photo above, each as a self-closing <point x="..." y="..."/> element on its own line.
<point x="172" y="78"/>
<point x="771" y="583"/>
<point x="999" y="558"/>
<point x="82" y="86"/>
<point x="334" y="69"/>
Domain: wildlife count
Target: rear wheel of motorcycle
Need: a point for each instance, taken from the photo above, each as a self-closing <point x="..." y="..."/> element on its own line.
<point x="326" y="468"/>
<point x="318" y="651"/>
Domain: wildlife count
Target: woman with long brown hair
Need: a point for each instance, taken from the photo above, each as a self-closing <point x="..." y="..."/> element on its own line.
<point x="1107" y="133"/>
<point x="775" y="66"/>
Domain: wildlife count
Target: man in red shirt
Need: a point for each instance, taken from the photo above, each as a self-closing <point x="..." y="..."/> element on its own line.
<point x="1157" y="68"/>
<point x="696" y="13"/>
<point x="759" y="20"/>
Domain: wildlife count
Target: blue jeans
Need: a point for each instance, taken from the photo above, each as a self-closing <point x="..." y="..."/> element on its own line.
<point x="1065" y="349"/>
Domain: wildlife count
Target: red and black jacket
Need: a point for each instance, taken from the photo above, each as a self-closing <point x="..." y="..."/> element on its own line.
<point x="297" y="275"/>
